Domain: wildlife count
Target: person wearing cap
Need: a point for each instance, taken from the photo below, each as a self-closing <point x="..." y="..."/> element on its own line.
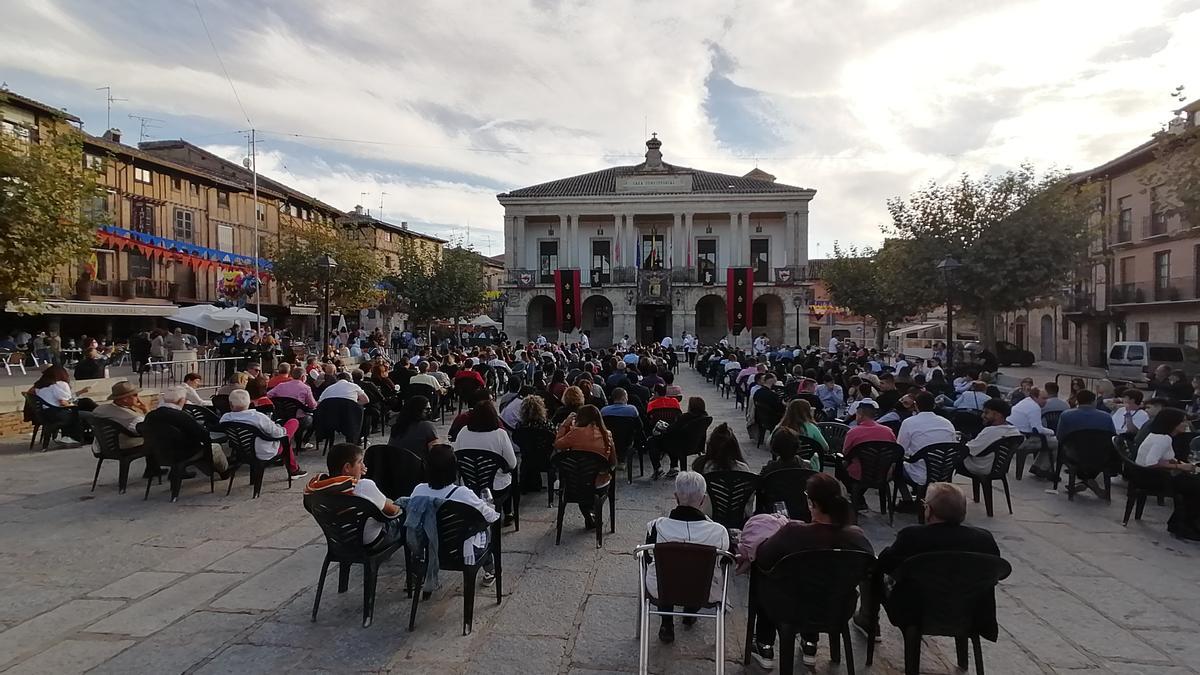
<point x="865" y="429"/>
<point x="995" y="427"/>
<point x="124" y="408"/>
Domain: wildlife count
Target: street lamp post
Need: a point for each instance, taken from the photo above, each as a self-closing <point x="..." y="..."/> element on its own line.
<point x="948" y="266"/>
<point x="327" y="265"/>
<point x="798" y="303"/>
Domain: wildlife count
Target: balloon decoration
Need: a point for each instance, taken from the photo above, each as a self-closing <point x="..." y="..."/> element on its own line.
<point x="236" y="287"/>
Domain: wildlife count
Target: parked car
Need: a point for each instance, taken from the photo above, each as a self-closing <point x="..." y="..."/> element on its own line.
<point x="1009" y="354"/>
<point x="1136" y="361"/>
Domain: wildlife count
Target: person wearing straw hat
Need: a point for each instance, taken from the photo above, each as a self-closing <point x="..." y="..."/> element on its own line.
<point x="124" y="408"/>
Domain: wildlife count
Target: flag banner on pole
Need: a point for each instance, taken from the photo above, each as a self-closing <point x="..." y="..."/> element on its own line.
<point x="567" y="298"/>
<point x="739" y="298"/>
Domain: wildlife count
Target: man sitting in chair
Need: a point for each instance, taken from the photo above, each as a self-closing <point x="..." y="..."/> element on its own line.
<point x="945" y="511"/>
<point x="169" y="413"/>
<point x="264" y="448"/>
<point x="346" y="471"/>
<point x="995" y="427"/>
<point x="686" y="523"/>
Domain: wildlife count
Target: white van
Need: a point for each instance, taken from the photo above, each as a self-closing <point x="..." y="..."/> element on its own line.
<point x="1136" y="361"/>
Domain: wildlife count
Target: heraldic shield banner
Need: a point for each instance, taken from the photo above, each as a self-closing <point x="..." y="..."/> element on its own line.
<point x="739" y="298"/>
<point x="566" y="297"/>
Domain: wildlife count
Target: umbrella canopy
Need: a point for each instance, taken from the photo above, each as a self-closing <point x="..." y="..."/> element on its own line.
<point x="212" y="318"/>
<point x="484" y="321"/>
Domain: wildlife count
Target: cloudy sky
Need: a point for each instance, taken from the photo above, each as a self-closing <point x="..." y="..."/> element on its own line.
<point x="438" y="106"/>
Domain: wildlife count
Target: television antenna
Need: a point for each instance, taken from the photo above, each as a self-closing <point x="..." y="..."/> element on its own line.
<point x="108" y="101"/>
<point x="145" y="124"/>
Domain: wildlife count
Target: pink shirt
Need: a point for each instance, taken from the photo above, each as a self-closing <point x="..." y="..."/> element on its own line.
<point x="296" y="389"/>
<point x="867" y="430"/>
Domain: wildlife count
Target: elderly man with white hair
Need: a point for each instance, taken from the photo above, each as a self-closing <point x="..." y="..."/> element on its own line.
<point x="264" y="448"/>
<point x="686" y="523"/>
<point x="170" y="413"/>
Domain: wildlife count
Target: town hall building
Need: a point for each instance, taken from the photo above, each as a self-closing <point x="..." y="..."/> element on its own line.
<point x="652" y="244"/>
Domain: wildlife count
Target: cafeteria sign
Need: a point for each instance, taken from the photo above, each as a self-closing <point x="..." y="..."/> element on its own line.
<point x="821" y="308"/>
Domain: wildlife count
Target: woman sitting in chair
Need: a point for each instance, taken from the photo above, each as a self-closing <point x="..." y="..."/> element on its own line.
<point x="1158" y="451"/>
<point x="721" y="453"/>
<point x="441" y="471"/>
<point x="799" y="418"/>
<point x="585" y="431"/>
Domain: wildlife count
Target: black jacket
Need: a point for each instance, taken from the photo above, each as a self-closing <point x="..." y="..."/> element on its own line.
<point x="917" y="539"/>
<point x="186" y="435"/>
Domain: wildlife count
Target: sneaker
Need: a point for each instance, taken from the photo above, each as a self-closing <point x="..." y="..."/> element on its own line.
<point x="666" y="633"/>
<point x="488" y="578"/>
<point x="671" y="474"/>
<point x="764" y="655"/>
<point x="656" y="475"/>
<point x="808" y="653"/>
<point x="299" y="474"/>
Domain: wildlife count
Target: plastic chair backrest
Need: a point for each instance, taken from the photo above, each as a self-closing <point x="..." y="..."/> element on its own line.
<point x="456" y="522"/>
<point x="877" y="459"/>
<point x="808" y="447"/>
<point x="241" y="438"/>
<point x="624" y="431"/>
<point x="941" y="460"/>
<point x="685" y="573"/>
<point x="1050" y="419"/>
<point x="949" y="585"/>
<point x="969" y="422"/>
<point x="397" y="471"/>
<point x="1089" y="449"/>
<point x="814" y="591"/>
<point x="107" y="434"/>
<point x="668" y="415"/>
<point x="206" y="416"/>
<point x="834" y="433"/>
<point x="286" y="408"/>
<point x="338" y="415"/>
<point x="785" y="485"/>
<point x="478" y="468"/>
<point x="221" y="403"/>
<point x="577" y="470"/>
<point x="728" y="494"/>
<point x="536" y="440"/>
<point x="692" y="434"/>
<point x="342" y="517"/>
<point x="1003" y="451"/>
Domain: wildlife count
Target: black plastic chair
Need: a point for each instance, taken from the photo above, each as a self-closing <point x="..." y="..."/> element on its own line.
<point x="685" y="439"/>
<point x="1087" y="451"/>
<point x="43" y="419"/>
<point x="877" y="460"/>
<point x="287" y="408"/>
<point x="627" y="438"/>
<point x="810" y="592"/>
<point x="168" y="446"/>
<point x="577" y="471"/>
<point x="220" y="403"/>
<point x="396" y="471"/>
<point x="765" y="420"/>
<point x="668" y="415"/>
<point x="464" y="389"/>
<point x="1050" y="419"/>
<point x="728" y="494"/>
<point x="457" y="522"/>
<point x="967" y="422"/>
<point x="537" y="446"/>
<point x="1002" y="452"/>
<point x="241" y="438"/>
<point x="941" y="460"/>
<point x="342" y="518"/>
<point x="477" y="470"/>
<point x="108" y="446"/>
<point x="334" y="416"/>
<point x="946" y="593"/>
<point x="835" y="434"/>
<point x="785" y="485"/>
<point x="1140" y="482"/>
<point x="206" y="416"/>
<point x="1025" y="450"/>
<point x="432" y="395"/>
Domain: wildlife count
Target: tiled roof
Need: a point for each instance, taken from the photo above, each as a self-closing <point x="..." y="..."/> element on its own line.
<point x="352" y="218"/>
<point x="134" y="153"/>
<point x="30" y="103"/>
<point x="604" y="182"/>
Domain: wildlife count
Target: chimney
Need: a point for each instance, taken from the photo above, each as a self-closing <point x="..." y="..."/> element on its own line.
<point x="113" y="135"/>
<point x="358" y="209"/>
<point x="404" y="224"/>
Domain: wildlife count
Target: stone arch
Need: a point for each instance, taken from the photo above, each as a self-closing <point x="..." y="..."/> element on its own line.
<point x="598" y="320"/>
<point x="710" y="319"/>
<point x="540" y="318"/>
<point x="768" y="317"/>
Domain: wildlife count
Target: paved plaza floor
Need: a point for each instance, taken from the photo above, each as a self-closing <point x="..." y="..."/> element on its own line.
<point x="107" y="583"/>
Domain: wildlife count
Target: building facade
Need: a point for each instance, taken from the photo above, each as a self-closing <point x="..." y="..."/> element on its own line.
<point x="653" y="242"/>
<point x="1143" y="279"/>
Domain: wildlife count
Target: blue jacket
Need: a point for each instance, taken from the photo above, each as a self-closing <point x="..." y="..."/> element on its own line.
<point x="420" y="523"/>
<point x="1083" y="417"/>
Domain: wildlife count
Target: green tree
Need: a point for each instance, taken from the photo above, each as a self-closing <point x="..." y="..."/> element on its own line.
<point x="876" y="283"/>
<point x="429" y="286"/>
<point x="353" y="284"/>
<point x="47" y="211"/>
<point x="1020" y="237"/>
<point x="1175" y="175"/>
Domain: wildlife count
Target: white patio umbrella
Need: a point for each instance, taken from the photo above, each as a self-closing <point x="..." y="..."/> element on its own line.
<point x="200" y="316"/>
<point x="484" y="321"/>
<point x="237" y="314"/>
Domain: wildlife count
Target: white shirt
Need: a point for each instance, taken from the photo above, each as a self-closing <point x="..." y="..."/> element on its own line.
<point x="584" y="342"/>
<point x="760" y="344"/>
<point x="704" y="532"/>
<point x="501" y="363"/>
<point x="666" y="342"/>
<point x="511" y="414"/>
<point x="1026" y="416"/>
<point x="900" y="363"/>
<point x="493" y="441"/>
<point x="463" y="495"/>
<point x="624" y="343"/>
<point x="918" y="431"/>
<point x="1155" y="449"/>
<point x="1139" y="417"/>
<point x="193" y="396"/>
<point x="343" y="389"/>
<point x="971" y="400"/>
<point x="981" y="466"/>
<point x="425" y="379"/>
<point x="55" y="394"/>
<point x="541" y="340"/>
<point x="368" y="490"/>
<point x="263" y="449"/>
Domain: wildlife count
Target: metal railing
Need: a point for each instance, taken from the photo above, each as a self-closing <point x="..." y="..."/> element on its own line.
<point x="213" y="372"/>
<point x="1163" y="290"/>
<point x="1154" y="225"/>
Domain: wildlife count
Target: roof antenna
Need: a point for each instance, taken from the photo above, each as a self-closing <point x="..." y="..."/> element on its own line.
<point x="146" y="123"/>
<point x="108" y="99"/>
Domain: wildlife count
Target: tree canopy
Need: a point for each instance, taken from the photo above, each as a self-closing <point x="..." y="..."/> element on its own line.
<point x="1175" y="175"/>
<point x="877" y="283"/>
<point x="1020" y="237"/>
<point x="354" y="283"/>
<point x="48" y="211"/>
<point x="428" y="286"/>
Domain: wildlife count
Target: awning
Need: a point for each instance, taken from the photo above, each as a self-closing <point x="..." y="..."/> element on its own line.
<point x="913" y="329"/>
<point x="90" y="308"/>
<point x="304" y="310"/>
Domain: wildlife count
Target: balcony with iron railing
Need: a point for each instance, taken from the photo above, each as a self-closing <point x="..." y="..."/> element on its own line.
<point x="1175" y="289"/>
<point x="1154" y="225"/>
<point x="696" y="275"/>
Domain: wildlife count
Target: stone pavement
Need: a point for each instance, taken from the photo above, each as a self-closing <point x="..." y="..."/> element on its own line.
<point x="107" y="583"/>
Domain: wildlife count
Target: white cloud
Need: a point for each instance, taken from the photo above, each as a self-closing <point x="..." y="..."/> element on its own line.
<point x="860" y="100"/>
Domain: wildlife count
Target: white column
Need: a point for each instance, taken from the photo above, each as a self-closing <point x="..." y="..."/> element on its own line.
<point x="632" y="235"/>
<point x="510" y="241"/>
<point x="689" y="254"/>
<point x="519" y="253"/>
<point x="563" y="252"/>
<point x="801" y="241"/>
<point x="677" y="240"/>
<point x="789" y="239"/>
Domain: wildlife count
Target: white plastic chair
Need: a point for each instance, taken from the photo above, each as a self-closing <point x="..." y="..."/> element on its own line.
<point x="13" y="360"/>
<point x="684" y="573"/>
